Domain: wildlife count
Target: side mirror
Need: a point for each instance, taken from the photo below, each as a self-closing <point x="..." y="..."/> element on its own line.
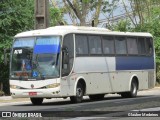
<point x="65" y="55"/>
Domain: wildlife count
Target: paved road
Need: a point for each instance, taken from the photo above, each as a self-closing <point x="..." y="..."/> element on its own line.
<point x="112" y="105"/>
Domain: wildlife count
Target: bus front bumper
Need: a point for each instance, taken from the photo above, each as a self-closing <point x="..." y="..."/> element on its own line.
<point x="40" y="93"/>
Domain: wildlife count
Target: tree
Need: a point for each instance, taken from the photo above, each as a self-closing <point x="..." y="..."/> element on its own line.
<point x="122" y="25"/>
<point x="56" y="14"/>
<point x="142" y="10"/>
<point x="15" y="16"/>
<point x="82" y="12"/>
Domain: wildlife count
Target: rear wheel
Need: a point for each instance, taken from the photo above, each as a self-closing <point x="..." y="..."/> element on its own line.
<point x="36" y="101"/>
<point x="133" y="91"/>
<point x="96" y="97"/>
<point x="79" y="94"/>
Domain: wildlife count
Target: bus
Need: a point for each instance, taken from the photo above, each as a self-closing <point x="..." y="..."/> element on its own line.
<point x="72" y="61"/>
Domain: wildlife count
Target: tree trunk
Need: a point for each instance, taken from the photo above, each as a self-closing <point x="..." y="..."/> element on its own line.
<point x="97" y="13"/>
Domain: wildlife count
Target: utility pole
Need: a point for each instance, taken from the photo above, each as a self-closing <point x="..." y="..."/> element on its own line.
<point x="41" y="14"/>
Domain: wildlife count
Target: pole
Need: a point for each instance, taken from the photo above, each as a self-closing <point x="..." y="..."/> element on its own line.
<point x="41" y="14"/>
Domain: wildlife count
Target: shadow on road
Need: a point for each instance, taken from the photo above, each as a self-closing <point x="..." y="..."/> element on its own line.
<point x="68" y="102"/>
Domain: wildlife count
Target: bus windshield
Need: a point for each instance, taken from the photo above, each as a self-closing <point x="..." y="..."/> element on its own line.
<point x="35" y="58"/>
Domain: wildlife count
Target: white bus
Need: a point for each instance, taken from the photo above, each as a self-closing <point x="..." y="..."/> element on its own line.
<point x="70" y="61"/>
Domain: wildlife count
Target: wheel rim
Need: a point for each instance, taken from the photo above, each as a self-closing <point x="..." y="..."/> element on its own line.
<point x="79" y="92"/>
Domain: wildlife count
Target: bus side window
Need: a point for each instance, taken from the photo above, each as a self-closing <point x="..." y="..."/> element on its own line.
<point x="120" y="43"/>
<point x="81" y="45"/>
<point x="79" y="50"/>
<point x="69" y="45"/>
<point x="149" y="46"/>
<point x="132" y="45"/>
<point x="141" y="46"/>
<point x="95" y="44"/>
<point x="108" y="45"/>
<point x="93" y="50"/>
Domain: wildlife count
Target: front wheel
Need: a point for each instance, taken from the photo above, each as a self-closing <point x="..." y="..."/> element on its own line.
<point x="36" y="101"/>
<point x="79" y="94"/>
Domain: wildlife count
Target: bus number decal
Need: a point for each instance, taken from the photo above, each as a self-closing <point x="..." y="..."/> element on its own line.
<point x="18" y="51"/>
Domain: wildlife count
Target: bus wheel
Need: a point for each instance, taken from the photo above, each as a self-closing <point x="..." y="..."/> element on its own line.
<point x="133" y="91"/>
<point x="36" y="101"/>
<point x="79" y="94"/>
<point x="96" y="97"/>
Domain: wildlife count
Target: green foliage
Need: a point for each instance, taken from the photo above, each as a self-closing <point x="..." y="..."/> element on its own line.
<point x="123" y="25"/>
<point x="1" y="93"/>
<point x="56" y="16"/>
<point x="15" y="16"/>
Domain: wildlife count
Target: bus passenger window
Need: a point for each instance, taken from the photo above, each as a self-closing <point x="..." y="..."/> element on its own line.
<point x="106" y="50"/>
<point x="141" y="46"/>
<point x="120" y="43"/>
<point x="149" y="46"/>
<point x="81" y="45"/>
<point x="99" y="51"/>
<point x="95" y="45"/>
<point x="93" y="51"/>
<point x="132" y="46"/>
<point x="79" y="50"/>
<point x="108" y="45"/>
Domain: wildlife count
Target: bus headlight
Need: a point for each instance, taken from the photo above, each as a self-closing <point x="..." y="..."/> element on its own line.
<point x="53" y="85"/>
<point x="14" y="87"/>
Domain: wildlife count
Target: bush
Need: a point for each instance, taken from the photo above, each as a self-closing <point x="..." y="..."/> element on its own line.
<point x="1" y="93"/>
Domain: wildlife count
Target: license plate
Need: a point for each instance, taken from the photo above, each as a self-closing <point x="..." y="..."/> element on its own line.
<point x="32" y="93"/>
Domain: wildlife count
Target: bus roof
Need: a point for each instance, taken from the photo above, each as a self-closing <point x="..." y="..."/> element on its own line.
<point x="62" y="30"/>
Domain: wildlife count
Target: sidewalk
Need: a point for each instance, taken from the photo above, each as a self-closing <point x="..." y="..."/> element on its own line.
<point x="8" y="99"/>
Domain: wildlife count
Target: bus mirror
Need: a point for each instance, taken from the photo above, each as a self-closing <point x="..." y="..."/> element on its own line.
<point x="6" y="52"/>
<point x="65" y="55"/>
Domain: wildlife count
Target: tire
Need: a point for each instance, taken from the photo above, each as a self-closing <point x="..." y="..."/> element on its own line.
<point x="79" y="94"/>
<point x="96" y="97"/>
<point x="133" y="91"/>
<point x="36" y="101"/>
